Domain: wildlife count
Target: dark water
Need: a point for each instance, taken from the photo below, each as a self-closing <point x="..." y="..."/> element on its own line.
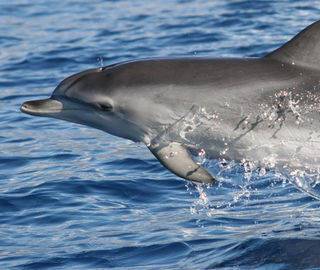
<point x="76" y="198"/>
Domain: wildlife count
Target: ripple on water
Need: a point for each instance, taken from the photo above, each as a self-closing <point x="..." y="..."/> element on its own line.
<point x="76" y="198"/>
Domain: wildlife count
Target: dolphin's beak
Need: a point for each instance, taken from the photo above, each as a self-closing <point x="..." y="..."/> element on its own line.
<point x="45" y="107"/>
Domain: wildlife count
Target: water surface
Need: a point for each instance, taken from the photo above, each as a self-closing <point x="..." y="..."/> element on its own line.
<point x="77" y="198"/>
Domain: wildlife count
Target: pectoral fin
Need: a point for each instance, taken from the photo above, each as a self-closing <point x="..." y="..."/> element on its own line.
<point x="176" y="158"/>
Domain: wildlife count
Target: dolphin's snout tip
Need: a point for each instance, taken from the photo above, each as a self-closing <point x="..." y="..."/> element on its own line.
<point x="25" y="106"/>
<point x="41" y="107"/>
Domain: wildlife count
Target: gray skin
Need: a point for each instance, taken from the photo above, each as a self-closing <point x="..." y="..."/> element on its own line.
<point x="264" y="110"/>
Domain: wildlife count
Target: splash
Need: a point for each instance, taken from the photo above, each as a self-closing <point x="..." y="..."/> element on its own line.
<point x="307" y="181"/>
<point x="100" y="60"/>
<point x="198" y="116"/>
<point x="241" y="184"/>
<point x="202" y="204"/>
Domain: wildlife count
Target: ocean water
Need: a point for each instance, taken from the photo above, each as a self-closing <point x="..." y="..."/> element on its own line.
<point x="72" y="197"/>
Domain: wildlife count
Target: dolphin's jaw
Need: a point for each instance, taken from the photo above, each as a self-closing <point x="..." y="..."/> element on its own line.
<point x="84" y="114"/>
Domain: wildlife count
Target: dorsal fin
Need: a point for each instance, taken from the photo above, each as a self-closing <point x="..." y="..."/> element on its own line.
<point x="303" y="49"/>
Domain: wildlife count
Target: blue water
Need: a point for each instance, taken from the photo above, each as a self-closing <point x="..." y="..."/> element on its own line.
<point x="72" y="197"/>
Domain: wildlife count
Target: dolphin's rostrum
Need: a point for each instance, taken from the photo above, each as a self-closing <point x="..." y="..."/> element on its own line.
<point x="264" y="110"/>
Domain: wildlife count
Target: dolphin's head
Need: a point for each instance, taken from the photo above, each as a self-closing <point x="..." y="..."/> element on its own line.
<point x="92" y="98"/>
<point x="113" y="99"/>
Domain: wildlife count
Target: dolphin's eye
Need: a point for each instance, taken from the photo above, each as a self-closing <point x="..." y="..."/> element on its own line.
<point x="104" y="107"/>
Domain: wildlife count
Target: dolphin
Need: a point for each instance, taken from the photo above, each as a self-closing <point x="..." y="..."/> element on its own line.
<point x="259" y="110"/>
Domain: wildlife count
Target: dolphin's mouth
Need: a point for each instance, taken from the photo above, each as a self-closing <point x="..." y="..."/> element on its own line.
<point x="42" y="107"/>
